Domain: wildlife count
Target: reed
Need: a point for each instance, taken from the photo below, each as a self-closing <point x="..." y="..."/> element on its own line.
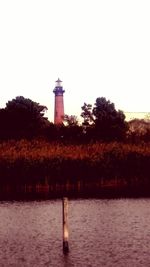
<point x="99" y="164"/>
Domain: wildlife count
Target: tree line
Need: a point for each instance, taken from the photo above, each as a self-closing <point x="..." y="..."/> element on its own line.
<point x="23" y="118"/>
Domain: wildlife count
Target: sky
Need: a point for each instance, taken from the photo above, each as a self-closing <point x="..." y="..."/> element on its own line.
<point x="98" y="48"/>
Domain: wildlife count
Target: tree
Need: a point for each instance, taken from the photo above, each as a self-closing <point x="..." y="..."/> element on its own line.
<point x="51" y="132"/>
<point x="24" y="118"/>
<point x="71" y="120"/>
<point x="103" y="121"/>
<point x="72" y="131"/>
<point x="87" y="114"/>
<point x="139" y="130"/>
<point x="4" y="124"/>
<point x="109" y="123"/>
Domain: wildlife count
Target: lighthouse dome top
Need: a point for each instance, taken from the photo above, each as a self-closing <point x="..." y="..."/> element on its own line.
<point x="58" y="83"/>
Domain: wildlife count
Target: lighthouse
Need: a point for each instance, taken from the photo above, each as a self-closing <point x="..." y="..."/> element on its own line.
<point x="59" y="102"/>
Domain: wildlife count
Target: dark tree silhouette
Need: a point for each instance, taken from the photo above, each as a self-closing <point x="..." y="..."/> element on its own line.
<point x="51" y="132"/>
<point x="103" y="121"/>
<point x="71" y="132"/>
<point x="87" y="114"/>
<point x="4" y="124"/>
<point x="71" y="120"/>
<point x="23" y="118"/>
<point x="110" y="124"/>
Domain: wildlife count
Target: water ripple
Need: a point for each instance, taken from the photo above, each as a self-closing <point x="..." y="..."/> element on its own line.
<point x="102" y="233"/>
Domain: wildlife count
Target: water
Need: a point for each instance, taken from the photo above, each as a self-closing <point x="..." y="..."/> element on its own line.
<point x="102" y="233"/>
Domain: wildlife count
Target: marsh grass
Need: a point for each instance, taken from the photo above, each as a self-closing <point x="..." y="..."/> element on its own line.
<point x="59" y="167"/>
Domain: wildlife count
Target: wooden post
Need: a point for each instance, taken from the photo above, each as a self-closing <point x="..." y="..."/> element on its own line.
<point x="65" y="226"/>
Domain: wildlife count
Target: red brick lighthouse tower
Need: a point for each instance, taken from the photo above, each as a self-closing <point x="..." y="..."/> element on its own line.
<point x="59" y="103"/>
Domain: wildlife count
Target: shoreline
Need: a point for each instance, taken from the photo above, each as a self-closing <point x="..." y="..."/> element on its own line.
<point x="44" y="193"/>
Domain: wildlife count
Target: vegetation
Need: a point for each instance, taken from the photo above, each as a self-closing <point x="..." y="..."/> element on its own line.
<point x="99" y="165"/>
<point x="25" y="119"/>
<point x="139" y="130"/>
<point x="104" y="154"/>
<point x="105" y="121"/>
<point x="22" y="118"/>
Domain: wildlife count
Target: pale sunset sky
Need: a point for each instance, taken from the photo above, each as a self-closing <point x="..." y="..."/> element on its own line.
<point x="96" y="47"/>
